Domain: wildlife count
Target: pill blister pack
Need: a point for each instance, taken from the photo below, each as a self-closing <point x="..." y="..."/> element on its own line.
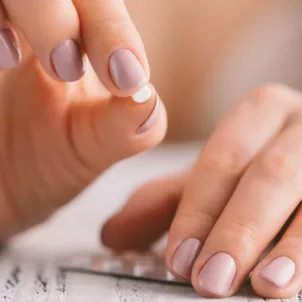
<point x="148" y="267"/>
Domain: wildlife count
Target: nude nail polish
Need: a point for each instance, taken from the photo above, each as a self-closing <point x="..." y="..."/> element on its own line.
<point x="217" y="275"/>
<point x="126" y="70"/>
<point x="279" y="272"/>
<point x="10" y="54"/>
<point x="185" y="257"/>
<point x="68" y="62"/>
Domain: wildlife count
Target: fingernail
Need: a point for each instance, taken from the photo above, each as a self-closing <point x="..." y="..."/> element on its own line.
<point x="126" y="70"/>
<point x="10" y="54"/>
<point x="217" y="275"/>
<point x="279" y="271"/>
<point x="67" y="59"/>
<point x="185" y="257"/>
<point x="152" y="119"/>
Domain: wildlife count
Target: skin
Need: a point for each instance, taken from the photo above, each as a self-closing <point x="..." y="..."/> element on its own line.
<point x="57" y="137"/>
<point x="101" y="27"/>
<point x="243" y="188"/>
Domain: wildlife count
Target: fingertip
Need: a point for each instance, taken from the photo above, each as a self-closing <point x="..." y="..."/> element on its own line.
<point x="53" y="32"/>
<point x="121" y="235"/>
<point x="268" y="283"/>
<point x="114" y="46"/>
<point x="264" y="288"/>
<point x="68" y="61"/>
<point x="152" y="207"/>
<point x="108" y="236"/>
<point x="181" y="262"/>
<point x="115" y="128"/>
<point x="145" y="124"/>
<point x="128" y="74"/>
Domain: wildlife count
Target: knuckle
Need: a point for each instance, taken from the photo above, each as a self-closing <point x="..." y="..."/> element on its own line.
<point x="243" y="232"/>
<point x="280" y="166"/>
<point x="207" y="216"/>
<point x="197" y="220"/>
<point x="111" y="27"/>
<point x="231" y="162"/>
<point x="268" y="92"/>
<point x="268" y="95"/>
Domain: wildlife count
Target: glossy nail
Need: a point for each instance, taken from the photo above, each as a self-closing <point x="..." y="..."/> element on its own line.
<point x="68" y="62"/>
<point x="185" y="257"/>
<point x="10" y="54"/>
<point x="126" y="70"/>
<point x="217" y="275"/>
<point x="280" y="271"/>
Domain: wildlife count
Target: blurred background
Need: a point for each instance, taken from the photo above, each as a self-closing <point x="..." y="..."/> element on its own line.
<point x="206" y="54"/>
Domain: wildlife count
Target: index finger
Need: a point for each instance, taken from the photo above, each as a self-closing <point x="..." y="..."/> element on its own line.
<point x="113" y="45"/>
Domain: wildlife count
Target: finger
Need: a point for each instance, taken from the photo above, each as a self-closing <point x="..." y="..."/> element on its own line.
<point x="90" y="136"/>
<point x="75" y="139"/>
<point x="52" y="29"/>
<point x="10" y="53"/>
<point x="100" y="129"/>
<point x="113" y="45"/>
<point x="152" y="208"/>
<point x="268" y="193"/>
<point x="279" y="274"/>
<point x="115" y="129"/>
<point x="239" y="137"/>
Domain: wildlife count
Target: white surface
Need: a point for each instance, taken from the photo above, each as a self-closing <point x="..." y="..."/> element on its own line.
<point x="75" y="229"/>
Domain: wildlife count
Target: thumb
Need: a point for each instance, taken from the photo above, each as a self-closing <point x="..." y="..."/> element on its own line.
<point x="104" y="132"/>
<point x="54" y="146"/>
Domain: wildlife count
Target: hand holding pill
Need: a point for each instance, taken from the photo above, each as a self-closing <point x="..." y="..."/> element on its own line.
<point x="57" y="137"/>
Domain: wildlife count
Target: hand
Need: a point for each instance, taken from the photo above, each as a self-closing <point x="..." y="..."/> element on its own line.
<point x="244" y="187"/>
<point x="57" y="137"/>
<point x="60" y="32"/>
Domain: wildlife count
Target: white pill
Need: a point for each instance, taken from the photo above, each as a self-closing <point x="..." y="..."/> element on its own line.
<point x="143" y="95"/>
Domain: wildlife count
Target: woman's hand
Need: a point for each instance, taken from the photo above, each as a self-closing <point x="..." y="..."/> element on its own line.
<point x="242" y="190"/>
<point x="61" y="31"/>
<point x="57" y="137"/>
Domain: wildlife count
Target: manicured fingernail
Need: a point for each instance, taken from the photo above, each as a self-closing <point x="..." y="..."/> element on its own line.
<point x="279" y="271"/>
<point x="143" y="95"/>
<point x="68" y="62"/>
<point x="126" y="70"/>
<point x="217" y="275"/>
<point x="185" y="257"/>
<point x="10" y="54"/>
<point x="153" y="117"/>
